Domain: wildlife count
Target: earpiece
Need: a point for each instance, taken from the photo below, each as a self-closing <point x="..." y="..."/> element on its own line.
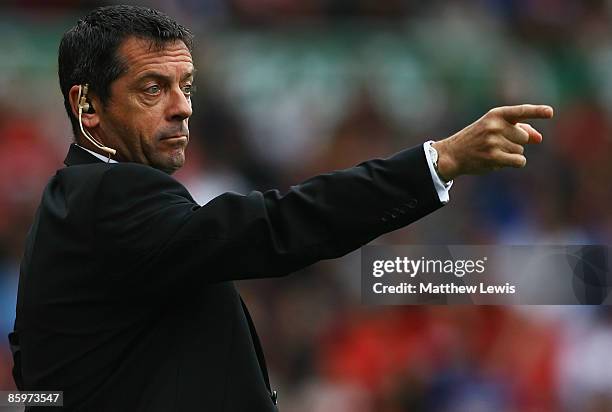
<point x="84" y="106"/>
<point x="83" y="103"/>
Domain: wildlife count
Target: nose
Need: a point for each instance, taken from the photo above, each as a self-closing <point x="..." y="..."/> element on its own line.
<point x="179" y="106"/>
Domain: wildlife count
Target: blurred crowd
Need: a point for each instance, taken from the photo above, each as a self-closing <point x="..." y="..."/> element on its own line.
<point x="291" y="88"/>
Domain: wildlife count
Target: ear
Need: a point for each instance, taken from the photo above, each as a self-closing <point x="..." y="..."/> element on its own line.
<point x="90" y="120"/>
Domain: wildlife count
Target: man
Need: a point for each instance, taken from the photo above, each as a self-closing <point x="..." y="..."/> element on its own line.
<point x="126" y="300"/>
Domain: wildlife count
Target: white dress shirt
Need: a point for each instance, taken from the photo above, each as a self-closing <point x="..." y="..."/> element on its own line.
<point x="441" y="187"/>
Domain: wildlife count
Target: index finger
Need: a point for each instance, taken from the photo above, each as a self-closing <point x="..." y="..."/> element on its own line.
<point x="514" y="114"/>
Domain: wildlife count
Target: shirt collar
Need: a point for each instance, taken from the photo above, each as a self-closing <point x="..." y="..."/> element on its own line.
<point x="98" y="155"/>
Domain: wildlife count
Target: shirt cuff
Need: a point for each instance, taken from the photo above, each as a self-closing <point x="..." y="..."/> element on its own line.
<point x="441" y="187"/>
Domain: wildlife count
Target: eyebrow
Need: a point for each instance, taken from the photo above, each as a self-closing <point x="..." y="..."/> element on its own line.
<point x="157" y="75"/>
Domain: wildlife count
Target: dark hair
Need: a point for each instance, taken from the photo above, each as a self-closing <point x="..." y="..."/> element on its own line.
<point x="88" y="51"/>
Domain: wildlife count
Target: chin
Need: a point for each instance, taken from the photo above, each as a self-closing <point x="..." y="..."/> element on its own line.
<point x="170" y="170"/>
<point x="170" y="164"/>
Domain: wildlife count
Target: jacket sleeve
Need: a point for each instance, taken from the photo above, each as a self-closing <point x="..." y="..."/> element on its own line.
<point x="149" y="222"/>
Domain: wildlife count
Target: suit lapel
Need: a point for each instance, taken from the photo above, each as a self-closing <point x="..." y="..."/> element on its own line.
<point x="257" y="344"/>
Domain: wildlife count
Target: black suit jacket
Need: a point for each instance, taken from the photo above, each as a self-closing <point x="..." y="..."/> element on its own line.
<point x="126" y="300"/>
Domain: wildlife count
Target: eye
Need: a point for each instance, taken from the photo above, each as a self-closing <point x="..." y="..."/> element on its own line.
<point x="154" y="89"/>
<point x="188" y="89"/>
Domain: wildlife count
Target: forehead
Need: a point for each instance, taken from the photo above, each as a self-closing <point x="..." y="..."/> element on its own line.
<point x="140" y="56"/>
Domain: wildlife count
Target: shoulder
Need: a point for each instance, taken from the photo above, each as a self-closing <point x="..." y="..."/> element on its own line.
<point x="134" y="179"/>
<point x="135" y="170"/>
<point x="118" y="180"/>
<point x="125" y="173"/>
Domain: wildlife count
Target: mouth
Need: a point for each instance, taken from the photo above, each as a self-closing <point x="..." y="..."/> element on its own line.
<point x="173" y="139"/>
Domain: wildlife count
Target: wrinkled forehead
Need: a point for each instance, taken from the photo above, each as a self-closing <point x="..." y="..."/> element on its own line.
<point x="141" y="55"/>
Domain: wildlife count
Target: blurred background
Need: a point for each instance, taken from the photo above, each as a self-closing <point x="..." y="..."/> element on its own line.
<point x="291" y="88"/>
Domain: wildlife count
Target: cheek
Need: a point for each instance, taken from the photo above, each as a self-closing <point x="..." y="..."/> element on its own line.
<point x="147" y="125"/>
<point x="144" y="123"/>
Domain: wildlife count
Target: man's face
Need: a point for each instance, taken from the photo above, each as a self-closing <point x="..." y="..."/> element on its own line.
<point x="146" y="116"/>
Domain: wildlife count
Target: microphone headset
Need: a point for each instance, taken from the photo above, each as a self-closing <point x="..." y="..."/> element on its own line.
<point x="85" y="106"/>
